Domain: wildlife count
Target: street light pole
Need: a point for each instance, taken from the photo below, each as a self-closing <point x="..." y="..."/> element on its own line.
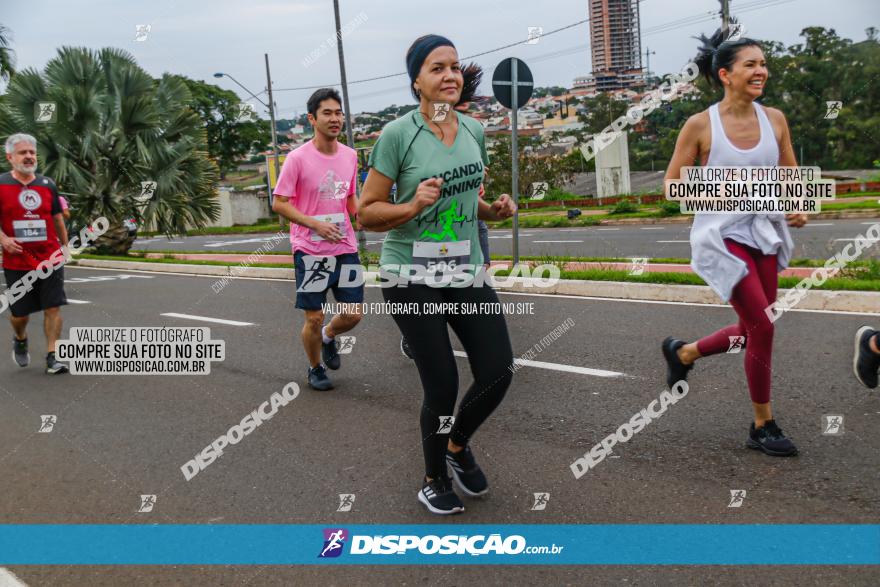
<point x="271" y="107"/>
<point x="349" y="131"/>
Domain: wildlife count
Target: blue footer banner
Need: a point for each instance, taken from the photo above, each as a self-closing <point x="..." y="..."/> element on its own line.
<point x="522" y="544"/>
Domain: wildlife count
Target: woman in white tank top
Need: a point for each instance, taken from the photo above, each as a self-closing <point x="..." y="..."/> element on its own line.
<point x="738" y="255"/>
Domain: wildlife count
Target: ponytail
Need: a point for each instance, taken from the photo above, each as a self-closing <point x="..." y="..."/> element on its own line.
<point x="719" y="52"/>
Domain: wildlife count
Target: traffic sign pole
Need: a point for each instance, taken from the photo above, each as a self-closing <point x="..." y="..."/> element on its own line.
<point x="506" y="82"/>
<point x="514" y="155"/>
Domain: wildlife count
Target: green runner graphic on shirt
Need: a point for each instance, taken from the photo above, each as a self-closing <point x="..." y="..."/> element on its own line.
<point x="449" y="216"/>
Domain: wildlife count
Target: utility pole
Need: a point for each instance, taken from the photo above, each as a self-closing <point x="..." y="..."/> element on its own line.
<point x="349" y="132"/>
<point x="648" y="54"/>
<point x="274" y="136"/>
<point x="725" y="14"/>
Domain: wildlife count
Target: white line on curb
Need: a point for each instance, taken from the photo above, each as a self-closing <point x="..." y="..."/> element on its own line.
<point x="673" y="241"/>
<point x="70" y="301"/>
<point x="500" y="292"/>
<point x="557" y="241"/>
<point x="558" y="367"/>
<point x="651" y="228"/>
<point x="206" y="319"/>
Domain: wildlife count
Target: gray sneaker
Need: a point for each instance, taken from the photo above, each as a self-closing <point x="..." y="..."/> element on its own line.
<point x="20" y="353"/>
<point x="53" y="367"/>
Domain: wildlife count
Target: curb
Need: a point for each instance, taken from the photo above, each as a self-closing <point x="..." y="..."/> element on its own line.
<point x="839" y="301"/>
<point x="687" y="219"/>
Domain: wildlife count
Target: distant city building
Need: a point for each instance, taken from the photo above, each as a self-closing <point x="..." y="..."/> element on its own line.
<point x="615" y="43"/>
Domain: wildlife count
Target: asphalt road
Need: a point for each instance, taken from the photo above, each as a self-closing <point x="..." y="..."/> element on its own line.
<point x="117" y="437"/>
<point x="817" y="240"/>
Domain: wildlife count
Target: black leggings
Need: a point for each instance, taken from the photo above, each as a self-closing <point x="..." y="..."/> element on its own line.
<point x="485" y="339"/>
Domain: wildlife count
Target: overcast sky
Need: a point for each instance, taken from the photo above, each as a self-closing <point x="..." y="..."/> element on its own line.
<point x="197" y="38"/>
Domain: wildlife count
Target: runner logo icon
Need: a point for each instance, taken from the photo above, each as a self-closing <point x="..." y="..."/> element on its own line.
<point x="147" y="503"/>
<point x="47" y="423"/>
<point x="541" y="500"/>
<point x="317" y="273"/>
<point x="346" y="500"/>
<point x="446" y="423"/>
<point x="345" y="344"/>
<point x="638" y="265"/>
<point x="334" y="541"/>
<point x="737" y="343"/>
<point x="737" y="496"/>
<point x="832" y="425"/>
<point x="833" y="109"/>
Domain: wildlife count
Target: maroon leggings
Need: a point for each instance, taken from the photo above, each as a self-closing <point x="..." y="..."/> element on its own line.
<point x="751" y="296"/>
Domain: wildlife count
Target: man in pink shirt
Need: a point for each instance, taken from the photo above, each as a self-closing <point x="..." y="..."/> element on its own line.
<point x="316" y="193"/>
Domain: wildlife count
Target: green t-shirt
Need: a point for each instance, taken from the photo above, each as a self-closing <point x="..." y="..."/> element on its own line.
<point x="409" y="152"/>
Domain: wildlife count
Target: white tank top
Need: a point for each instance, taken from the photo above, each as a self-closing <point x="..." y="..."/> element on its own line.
<point x="723" y="153"/>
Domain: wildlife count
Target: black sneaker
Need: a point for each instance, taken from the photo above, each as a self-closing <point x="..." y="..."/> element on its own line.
<point x="53" y="367"/>
<point x="675" y="370"/>
<point x="467" y="472"/>
<point x="404" y="348"/>
<point x="865" y="361"/>
<point x="770" y="439"/>
<point x="318" y="378"/>
<point x="439" y="497"/>
<point x="330" y="355"/>
<point x="20" y="353"/>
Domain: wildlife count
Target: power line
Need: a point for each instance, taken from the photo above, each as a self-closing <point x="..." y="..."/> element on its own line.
<point x="665" y="27"/>
<point x="661" y="28"/>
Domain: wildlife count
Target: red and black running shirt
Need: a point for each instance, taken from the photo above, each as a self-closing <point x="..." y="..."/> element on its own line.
<point x="26" y="214"/>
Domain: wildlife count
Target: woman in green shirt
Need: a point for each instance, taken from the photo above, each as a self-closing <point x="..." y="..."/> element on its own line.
<point x="437" y="158"/>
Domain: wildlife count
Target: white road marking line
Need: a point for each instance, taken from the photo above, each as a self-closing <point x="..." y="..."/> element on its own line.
<point x="557" y="241"/>
<point x="96" y="278"/>
<point x="673" y="241"/>
<point x="694" y="304"/>
<point x="70" y="301"/>
<point x="8" y="579"/>
<point x="572" y="229"/>
<point x="867" y="223"/>
<point x="558" y="367"/>
<point x="207" y="319"/>
<point x="607" y="229"/>
<point x="651" y="228"/>
<point x="238" y="242"/>
<point x="819" y="224"/>
<point x="510" y="236"/>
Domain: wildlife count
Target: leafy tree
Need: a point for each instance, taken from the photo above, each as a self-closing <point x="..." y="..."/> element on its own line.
<point x="552" y="169"/>
<point x="7" y="58"/>
<point x="231" y="132"/>
<point x="117" y="127"/>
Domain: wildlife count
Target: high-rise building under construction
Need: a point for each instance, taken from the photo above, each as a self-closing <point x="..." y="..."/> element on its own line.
<point x="615" y="42"/>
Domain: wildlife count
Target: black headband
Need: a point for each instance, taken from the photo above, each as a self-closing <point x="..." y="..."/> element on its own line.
<point x="420" y="50"/>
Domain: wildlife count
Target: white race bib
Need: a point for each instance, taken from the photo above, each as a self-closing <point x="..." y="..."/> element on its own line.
<point x="441" y="257"/>
<point x="30" y="231"/>
<point x="337" y="219"/>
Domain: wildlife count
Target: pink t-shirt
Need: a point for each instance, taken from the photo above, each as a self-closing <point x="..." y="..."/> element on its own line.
<point x="319" y="185"/>
<point x="64" y="205"/>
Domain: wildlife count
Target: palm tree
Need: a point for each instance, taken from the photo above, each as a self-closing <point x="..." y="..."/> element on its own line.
<point x="7" y="59"/>
<point x="115" y="129"/>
